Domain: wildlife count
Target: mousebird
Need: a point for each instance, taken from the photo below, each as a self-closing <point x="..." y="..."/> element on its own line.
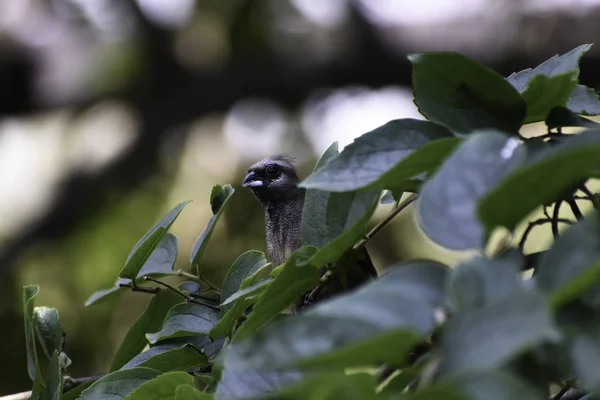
<point x="274" y="182"/>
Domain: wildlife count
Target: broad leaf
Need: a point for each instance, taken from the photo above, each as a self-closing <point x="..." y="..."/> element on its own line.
<point x="572" y="265"/>
<point x="219" y="196"/>
<point x="486" y="337"/>
<point x="54" y="381"/>
<point x="480" y="281"/>
<point x="145" y="246"/>
<point x="118" y="384"/>
<point x="162" y="387"/>
<point x="584" y="100"/>
<point x="188" y="392"/>
<point x="169" y="357"/>
<point x="495" y="385"/>
<point x="446" y="207"/>
<point x="542" y="182"/>
<point x="247" y="384"/>
<point x="585" y="358"/>
<point x="374" y="159"/>
<point x="557" y="65"/>
<point x="544" y="93"/>
<point x="243" y="267"/>
<point x="49" y="330"/>
<point x="160" y="263"/>
<point x="29" y="293"/>
<point x="185" y="319"/>
<point x="561" y="116"/>
<point x="150" y="321"/>
<point x="354" y="329"/>
<point x="289" y="284"/>
<point x="444" y="82"/>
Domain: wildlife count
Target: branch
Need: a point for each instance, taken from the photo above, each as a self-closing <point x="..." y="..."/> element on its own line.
<point x="537" y="222"/>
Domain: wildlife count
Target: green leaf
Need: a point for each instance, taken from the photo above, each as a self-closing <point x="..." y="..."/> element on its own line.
<point x="243" y="267"/>
<point x="382" y="150"/>
<point x="329" y="386"/>
<point x="572" y="265"/>
<point x="170" y="357"/>
<point x="145" y="246"/>
<point x="446" y="208"/>
<point x="354" y="329"/>
<point x="291" y="283"/>
<point x="486" y="337"/>
<point x="74" y="393"/>
<point x="203" y="343"/>
<point x="480" y="281"/>
<point x="585" y="358"/>
<point x="188" y="392"/>
<point x="162" y="387"/>
<point x="437" y="392"/>
<point x="557" y="65"/>
<point x="29" y="294"/>
<point x="160" y="263"/>
<point x="150" y="321"/>
<point x="444" y="82"/>
<point x="249" y="291"/>
<point x="118" y="384"/>
<point x="49" y="330"/>
<point x="544" y="93"/>
<point x="541" y="182"/>
<point x="247" y="384"/>
<point x="54" y="380"/>
<point x="185" y="319"/>
<point x="495" y="385"/>
<point x="219" y="196"/>
<point x="561" y="116"/>
<point x="584" y="100"/>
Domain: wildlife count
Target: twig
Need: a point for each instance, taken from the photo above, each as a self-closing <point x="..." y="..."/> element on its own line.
<point x="537" y="222"/>
<point x="554" y="218"/>
<point x="575" y="208"/>
<point x="143" y="289"/>
<point x="385" y="221"/>
<point x="187" y="298"/>
<point x="593" y="197"/>
<point x="71" y="383"/>
<point x="563" y="391"/>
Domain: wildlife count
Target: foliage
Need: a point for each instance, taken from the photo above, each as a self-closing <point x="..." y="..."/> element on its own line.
<point x="478" y="331"/>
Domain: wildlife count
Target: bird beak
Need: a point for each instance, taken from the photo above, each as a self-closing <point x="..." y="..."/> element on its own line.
<point x="251" y="181"/>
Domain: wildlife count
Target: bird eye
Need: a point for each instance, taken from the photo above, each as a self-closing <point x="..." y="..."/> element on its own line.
<point x="272" y="170"/>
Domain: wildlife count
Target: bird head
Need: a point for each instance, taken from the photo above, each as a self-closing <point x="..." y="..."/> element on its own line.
<point x="273" y="178"/>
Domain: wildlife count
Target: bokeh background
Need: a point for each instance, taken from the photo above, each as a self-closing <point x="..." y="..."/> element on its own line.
<point x="114" y="111"/>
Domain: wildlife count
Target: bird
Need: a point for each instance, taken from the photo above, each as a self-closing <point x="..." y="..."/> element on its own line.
<point x="274" y="183"/>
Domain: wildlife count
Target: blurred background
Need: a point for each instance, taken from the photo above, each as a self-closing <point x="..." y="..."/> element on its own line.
<point x="113" y="111"/>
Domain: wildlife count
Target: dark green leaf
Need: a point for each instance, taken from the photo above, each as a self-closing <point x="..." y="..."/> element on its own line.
<point x="557" y="65"/>
<point x="373" y="159"/>
<point x="73" y="394"/>
<point x="495" y="385"/>
<point x="289" y="284"/>
<point x="330" y="386"/>
<point x="480" y="281"/>
<point x="446" y="207"/>
<point x="355" y="329"/>
<point x="146" y="245"/>
<point x="49" y="330"/>
<point x="541" y="182"/>
<point x="486" y="337"/>
<point x="118" y="384"/>
<point x="150" y="321"/>
<point x="54" y="380"/>
<point x="561" y="116"/>
<point x="544" y="93"/>
<point x="188" y="392"/>
<point x="444" y="82"/>
<point x="160" y="263"/>
<point x="249" y="291"/>
<point x="219" y="196"/>
<point x="572" y="265"/>
<point x="585" y="358"/>
<point x="210" y="347"/>
<point x="243" y="267"/>
<point x="185" y="319"/>
<point x="162" y="387"/>
<point x="584" y="100"/>
<point x="169" y="357"/>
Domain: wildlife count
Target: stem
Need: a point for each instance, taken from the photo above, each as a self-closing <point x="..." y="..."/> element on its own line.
<point x="385" y="221"/>
<point x="187" y="298"/>
<point x="180" y="272"/>
<point x="143" y="289"/>
<point x="593" y="197"/>
<point x="71" y="383"/>
<point x="535" y="223"/>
